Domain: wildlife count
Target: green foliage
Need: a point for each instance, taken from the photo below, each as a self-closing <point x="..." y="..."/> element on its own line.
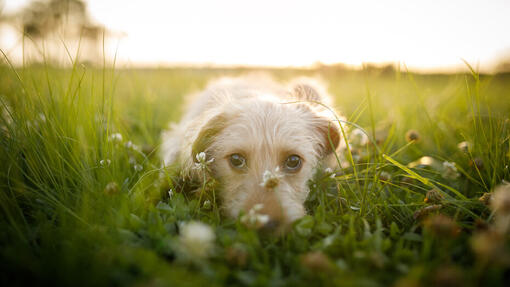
<point x="81" y="205"/>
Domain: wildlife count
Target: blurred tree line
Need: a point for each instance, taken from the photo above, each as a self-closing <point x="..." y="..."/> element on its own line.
<point x="53" y="21"/>
<point x="43" y="17"/>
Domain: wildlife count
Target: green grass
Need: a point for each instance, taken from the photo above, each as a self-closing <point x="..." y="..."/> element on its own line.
<point x="61" y="225"/>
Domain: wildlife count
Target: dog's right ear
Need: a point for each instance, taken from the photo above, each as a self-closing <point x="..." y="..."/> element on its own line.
<point x="330" y="133"/>
<point x="207" y="134"/>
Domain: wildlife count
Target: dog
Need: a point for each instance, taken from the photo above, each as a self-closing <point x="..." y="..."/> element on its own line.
<point x="261" y="140"/>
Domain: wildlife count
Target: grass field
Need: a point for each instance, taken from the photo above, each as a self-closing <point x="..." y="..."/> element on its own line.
<point x="81" y="205"/>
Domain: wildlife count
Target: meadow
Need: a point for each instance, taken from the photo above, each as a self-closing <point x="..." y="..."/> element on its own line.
<point x="84" y="200"/>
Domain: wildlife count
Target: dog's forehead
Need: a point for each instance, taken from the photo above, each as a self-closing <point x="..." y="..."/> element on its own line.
<point x="263" y="123"/>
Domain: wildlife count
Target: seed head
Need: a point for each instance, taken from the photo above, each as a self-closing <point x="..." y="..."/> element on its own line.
<point x="485" y="198"/>
<point x="412" y="135"/>
<point x="465" y="146"/>
<point x="476" y="163"/>
<point x="433" y="196"/>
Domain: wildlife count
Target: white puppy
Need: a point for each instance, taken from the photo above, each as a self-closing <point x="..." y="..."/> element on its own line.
<point x="266" y="140"/>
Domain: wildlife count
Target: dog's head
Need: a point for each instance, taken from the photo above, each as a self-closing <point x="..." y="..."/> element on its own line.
<point x="265" y="151"/>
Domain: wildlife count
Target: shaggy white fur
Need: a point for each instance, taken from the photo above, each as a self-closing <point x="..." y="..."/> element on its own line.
<point x="266" y="140"/>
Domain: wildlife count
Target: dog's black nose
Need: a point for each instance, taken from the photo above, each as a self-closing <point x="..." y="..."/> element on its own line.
<point x="271" y="225"/>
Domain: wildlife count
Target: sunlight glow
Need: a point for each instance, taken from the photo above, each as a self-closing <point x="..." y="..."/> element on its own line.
<point x="422" y="34"/>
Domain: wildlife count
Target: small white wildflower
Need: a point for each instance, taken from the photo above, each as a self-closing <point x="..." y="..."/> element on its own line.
<point x="464" y="146"/>
<point x="116" y="138"/>
<point x="201" y="161"/>
<point x="450" y="170"/>
<point x="131" y="145"/>
<point x="271" y="179"/>
<point x="201" y="156"/>
<point x="329" y="240"/>
<point x="255" y="219"/>
<point x="330" y="172"/>
<point x="170" y="193"/>
<point x="105" y="162"/>
<point x="358" y="138"/>
<point x="42" y="117"/>
<point x="138" y="167"/>
<point x="207" y="205"/>
<point x="132" y="160"/>
<point x="197" y="239"/>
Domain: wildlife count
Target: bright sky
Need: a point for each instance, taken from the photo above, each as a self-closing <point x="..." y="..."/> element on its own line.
<point x="429" y="34"/>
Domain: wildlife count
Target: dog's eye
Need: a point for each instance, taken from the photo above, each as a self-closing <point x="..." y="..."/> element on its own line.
<point x="293" y="163"/>
<point x="237" y="161"/>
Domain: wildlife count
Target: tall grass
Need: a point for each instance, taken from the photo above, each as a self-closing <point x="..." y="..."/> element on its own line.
<point x="81" y="206"/>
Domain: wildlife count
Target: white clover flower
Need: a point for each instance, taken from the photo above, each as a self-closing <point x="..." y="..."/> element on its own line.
<point x="131" y="145"/>
<point x="197" y="239"/>
<point x="450" y="170"/>
<point x="201" y="161"/>
<point x="170" y="193"/>
<point x="201" y="156"/>
<point x="255" y="219"/>
<point x="271" y="179"/>
<point x="331" y="173"/>
<point x="138" y="167"/>
<point x="116" y="138"/>
<point x="358" y="138"/>
<point x="105" y="162"/>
